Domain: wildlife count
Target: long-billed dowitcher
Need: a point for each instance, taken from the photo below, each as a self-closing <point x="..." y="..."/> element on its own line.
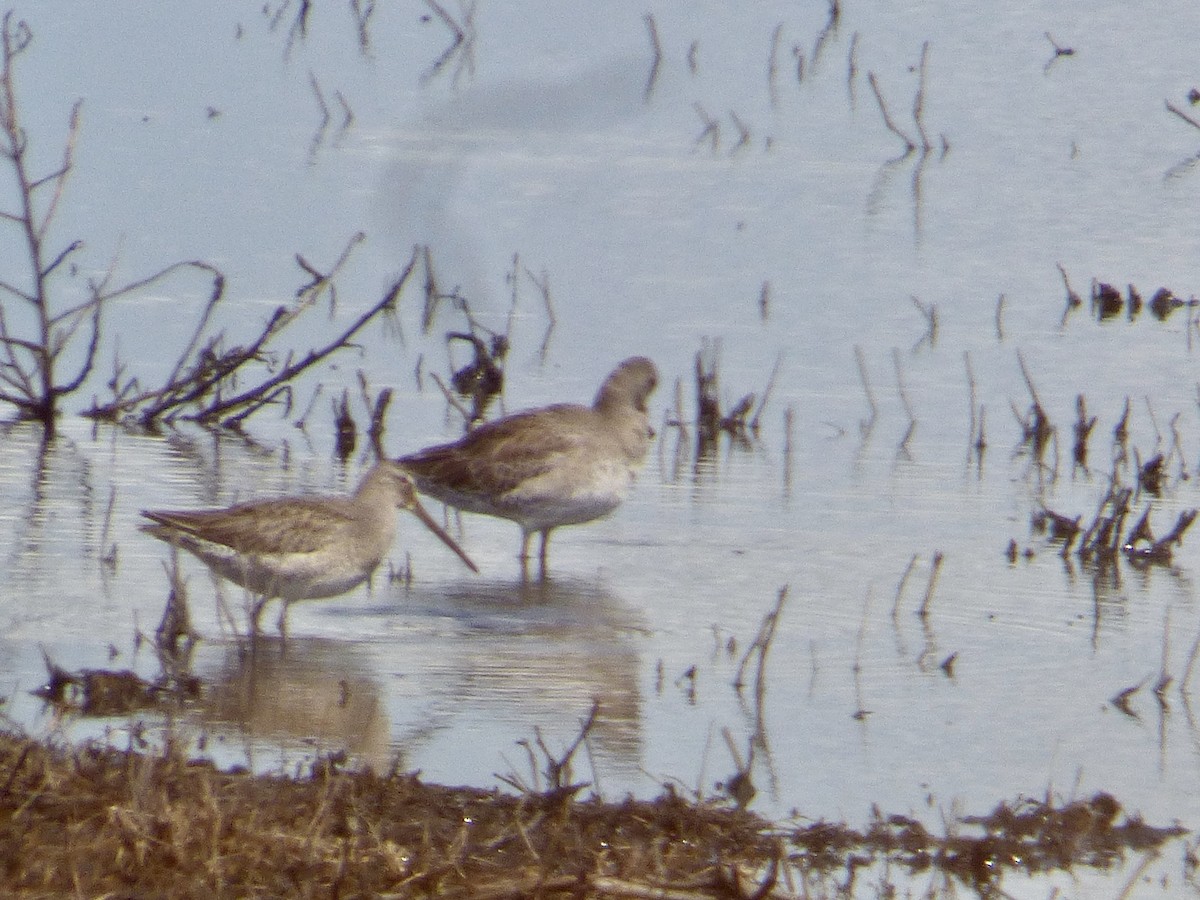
<point x="299" y="548"/>
<point x="559" y="465"/>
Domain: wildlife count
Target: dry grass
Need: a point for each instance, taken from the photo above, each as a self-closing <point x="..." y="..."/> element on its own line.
<point x="98" y="822"/>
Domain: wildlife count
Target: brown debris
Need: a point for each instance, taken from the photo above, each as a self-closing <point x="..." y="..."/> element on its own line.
<point x="1037" y="431"/>
<point x="741" y="423"/>
<point x="482" y="380"/>
<point x="1150" y="475"/>
<point x="97" y="692"/>
<point x="1144" y="549"/>
<point x="94" y="821"/>
<point x="116" y="692"/>
<point x="1083" y="431"/>
<point x="1163" y="303"/>
<point x="1029" y="835"/>
<point x="345" y="428"/>
<point x="1058" y="527"/>
<point x="1104" y="539"/>
<point x="1107" y="302"/>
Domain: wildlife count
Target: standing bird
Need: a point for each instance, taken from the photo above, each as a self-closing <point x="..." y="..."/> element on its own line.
<point x="559" y="465"/>
<point x="299" y="548"/>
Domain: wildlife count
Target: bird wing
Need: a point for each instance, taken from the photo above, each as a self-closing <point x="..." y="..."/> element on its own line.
<point x="498" y="457"/>
<point x="273" y="526"/>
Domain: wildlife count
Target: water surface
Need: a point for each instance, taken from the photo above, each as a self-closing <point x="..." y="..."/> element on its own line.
<point x="811" y="238"/>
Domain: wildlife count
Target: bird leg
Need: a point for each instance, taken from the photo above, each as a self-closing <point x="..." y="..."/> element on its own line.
<point x="256" y="615"/>
<point x="523" y="557"/>
<point x="282" y="624"/>
<point x="542" y="554"/>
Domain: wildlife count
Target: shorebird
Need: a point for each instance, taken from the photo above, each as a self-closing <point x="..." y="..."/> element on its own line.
<point x="299" y="548"/>
<point x="559" y="465"/>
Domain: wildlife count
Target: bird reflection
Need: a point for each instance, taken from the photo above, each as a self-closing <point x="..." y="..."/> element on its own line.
<point x="317" y="693"/>
<point x="533" y="656"/>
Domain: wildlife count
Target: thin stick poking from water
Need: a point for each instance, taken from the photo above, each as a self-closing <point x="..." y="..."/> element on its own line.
<point x="935" y="568"/>
<point x="321" y="104"/>
<point x="514" y="277"/>
<point x="861" y="712"/>
<point x="347" y="112"/>
<point x="908" y="570"/>
<point x="108" y="555"/>
<point x="912" y="420"/>
<point x="1074" y="301"/>
<point x="766" y="395"/>
<point x="865" y="425"/>
<point x="931" y="323"/>
<point x="852" y="69"/>
<point x="1136" y="877"/>
<point x="1177" y="447"/>
<point x="362" y="18"/>
<point x="1191" y="663"/>
<point x="978" y="440"/>
<point x="971" y="401"/>
<point x="1164" y="678"/>
<point x="919" y="100"/>
<point x="1179" y="112"/>
<point x="656" y="45"/>
<point x="543" y="286"/>
<point x="712" y="129"/>
<point x="773" y="67"/>
<point x="680" y="422"/>
<point x="450" y="398"/>
<point x="887" y="119"/>
<point x="741" y="787"/>
<point x="762" y="642"/>
<point x="788" y="417"/>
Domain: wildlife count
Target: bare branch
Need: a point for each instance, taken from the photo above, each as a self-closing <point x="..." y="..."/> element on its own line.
<point x="9" y="346"/>
<point x="16" y="292"/>
<point x="58" y="260"/>
<point x="214" y="298"/>
<point x="919" y="99"/>
<point x="462" y="46"/>
<point x="362" y="12"/>
<point x="216" y="410"/>
<point x="89" y="359"/>
<point x="148" y="280"/>
<point x="1179" y="112"/>
<point x="60" y="177"/>
<point x="168" y="394"/>
<point x="23" y="345"/>
<point x="887" y="119"/>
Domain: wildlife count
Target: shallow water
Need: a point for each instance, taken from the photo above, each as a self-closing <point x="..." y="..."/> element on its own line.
<point x="812" y="239"/>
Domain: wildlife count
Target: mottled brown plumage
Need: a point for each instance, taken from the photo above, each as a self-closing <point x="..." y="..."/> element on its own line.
<point x="299" y="548"/>
<point x="559" y="465"/>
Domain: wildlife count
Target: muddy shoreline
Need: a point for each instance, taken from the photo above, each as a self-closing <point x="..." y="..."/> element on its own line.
<point x="96" y="821"/>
